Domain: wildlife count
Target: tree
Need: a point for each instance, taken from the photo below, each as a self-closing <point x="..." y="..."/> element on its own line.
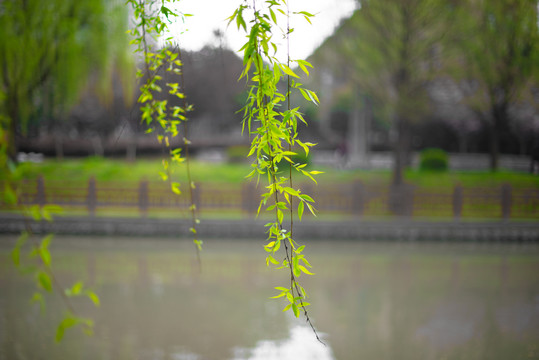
<point x="396" y="49"/>
<point x="390" y="50"/>
<point x="47" y="51"/>
<point x="211" y="83"/>
<point x="501" y="60"/>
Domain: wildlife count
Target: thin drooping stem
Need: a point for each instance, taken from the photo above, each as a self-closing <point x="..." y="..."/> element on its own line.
<point x="288" y="105"/>
<point x="288" y="101"/>
<point x="287" y="240"/>
<point x="186" y="143"/>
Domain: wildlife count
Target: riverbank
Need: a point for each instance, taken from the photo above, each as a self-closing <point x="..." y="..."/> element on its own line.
<point x="401" y="230"/>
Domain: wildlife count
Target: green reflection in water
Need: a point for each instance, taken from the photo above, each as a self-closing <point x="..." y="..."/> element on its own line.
<point x="372" y="301"/>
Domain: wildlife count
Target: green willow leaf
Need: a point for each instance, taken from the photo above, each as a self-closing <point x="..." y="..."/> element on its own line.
<point x="175" y="187"/>
<point x="93" y="297"/>
<point x="301" y="207"/>
<point x="66" y="323"/>
<point x="44" y="252"/>
<point x="35" y="211"/>
<point x="44" y="281"/>
<point x="304" y="269"/>
<point x="295" y="309"/>
<point x="16" y="252"/>
<point x="295" y="266"/>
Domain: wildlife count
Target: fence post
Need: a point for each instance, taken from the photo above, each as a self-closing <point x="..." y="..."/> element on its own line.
<point x="358" y="200"/>
<point x="91" y="196"/>
<point x="143" y="198"/>
<point x="506" y="201"/>
<point x="248" y="201"/>
<point x="401" y="200"/>
<point x="41" y="197"/>
<point x="457" y="202"/>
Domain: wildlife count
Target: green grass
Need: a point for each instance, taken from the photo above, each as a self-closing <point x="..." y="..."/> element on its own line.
<point x="119" y="170"/>
<point x="148" y="169"/>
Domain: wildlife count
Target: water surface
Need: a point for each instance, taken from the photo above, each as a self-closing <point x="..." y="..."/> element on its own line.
<point x="369" y="301"/>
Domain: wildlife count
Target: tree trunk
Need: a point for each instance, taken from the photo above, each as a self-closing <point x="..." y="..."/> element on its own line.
<point x="400" y="151"/>
<point x="97" y="144"/>
<point x="13" y="117"/>
<point x="58" y="146"/>
<point x="462" y="142"/>
<point x="494" y="147"/>
<point x="131" y="149"/>
<point x="400" y="194"/>
<point x="357" y="135"/>
<point x="499" y="118"/>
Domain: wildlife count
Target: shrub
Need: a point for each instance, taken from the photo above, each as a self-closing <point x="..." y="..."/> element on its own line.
<point x="433" y="160"/>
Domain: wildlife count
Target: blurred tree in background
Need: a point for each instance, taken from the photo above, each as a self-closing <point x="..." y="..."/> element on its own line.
<point x="391" y="50"/>
<point x="49" y="49"/>
<point x="497" y="61"/>
<point x="457" y="74"/>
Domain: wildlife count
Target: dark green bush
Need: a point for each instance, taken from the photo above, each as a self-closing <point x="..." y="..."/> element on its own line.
<point x="433" y="160"/>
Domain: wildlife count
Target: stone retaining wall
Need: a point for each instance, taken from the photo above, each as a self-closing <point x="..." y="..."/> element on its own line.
<point x="402" y="230"/>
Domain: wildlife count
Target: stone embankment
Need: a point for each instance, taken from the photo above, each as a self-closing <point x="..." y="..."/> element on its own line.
<point x="400" y="230"/>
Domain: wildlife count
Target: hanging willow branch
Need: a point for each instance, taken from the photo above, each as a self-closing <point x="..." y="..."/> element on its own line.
<point x="275" y="136"/>
<point x="152" y="17"/>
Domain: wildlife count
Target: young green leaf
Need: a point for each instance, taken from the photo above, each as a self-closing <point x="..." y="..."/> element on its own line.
<point x="67" y="322"/>
<point x="44" y="281"/>
<point x="295" y="309"/>
<point x="304" y="269"/>
<point x="301" y="208"/>
<point x="93" y="297"/>
<point x="175" y="187"/>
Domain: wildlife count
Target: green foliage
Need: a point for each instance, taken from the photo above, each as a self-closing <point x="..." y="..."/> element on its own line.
<point x="168" y="121"/>
<point x="65" y="41"/>
<point x="503" y="55"/>
<point x="501" y="61"/>
<point x="45" y="278"/>
<point x="70" y="321"/>
<point x="433" y="159"/>
<point x="395" y="40"/>
<point x="272" y="123"/>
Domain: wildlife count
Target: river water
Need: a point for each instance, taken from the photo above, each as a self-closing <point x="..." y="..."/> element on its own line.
<point x="369" y="301"/>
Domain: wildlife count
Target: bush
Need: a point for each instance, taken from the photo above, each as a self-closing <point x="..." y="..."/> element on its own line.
<point x="433" y="160"/>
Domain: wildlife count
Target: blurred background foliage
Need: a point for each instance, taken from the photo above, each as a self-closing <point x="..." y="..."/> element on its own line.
<point x="397" y="76"/>
<point x="58" y="54"/>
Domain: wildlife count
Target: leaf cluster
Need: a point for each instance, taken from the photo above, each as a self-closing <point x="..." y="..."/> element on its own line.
<point x="35" y="260"/>
<point x="152" y="18"/>
<point x="272" y="124"/>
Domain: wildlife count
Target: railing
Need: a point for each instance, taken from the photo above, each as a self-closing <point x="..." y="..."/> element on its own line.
<point x="354" y="199"/>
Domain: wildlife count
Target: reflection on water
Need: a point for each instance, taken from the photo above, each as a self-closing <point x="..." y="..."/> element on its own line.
<point x="299" y="345"/>
<point x="371" y="301"/>
<point x="453" y="322"/>
<point x="518" y="318"/>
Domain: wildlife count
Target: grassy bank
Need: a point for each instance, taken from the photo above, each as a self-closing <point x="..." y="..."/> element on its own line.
<point x="148" y="169"/>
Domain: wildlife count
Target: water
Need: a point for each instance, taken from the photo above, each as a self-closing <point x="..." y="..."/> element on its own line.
<point x="370" y="301"/>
